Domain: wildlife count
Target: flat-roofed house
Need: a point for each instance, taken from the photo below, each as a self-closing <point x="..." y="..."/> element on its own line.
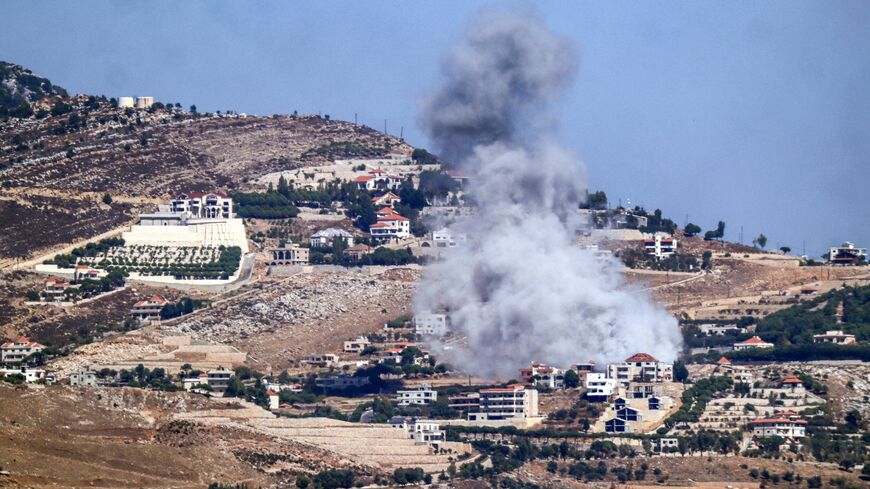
<point x="778" y="426"/>
<point x="837" y="337"/>
<point x="420" y="396"/>
<point x="513" y="401"/>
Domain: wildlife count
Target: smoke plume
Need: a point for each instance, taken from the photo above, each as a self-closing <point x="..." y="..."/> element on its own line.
<point x="521" y="289"/>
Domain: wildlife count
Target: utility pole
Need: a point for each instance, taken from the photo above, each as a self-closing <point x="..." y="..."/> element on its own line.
<point x="401" y="132"/>
<point x="354" y="119"/>
<point x="385" y="126"/>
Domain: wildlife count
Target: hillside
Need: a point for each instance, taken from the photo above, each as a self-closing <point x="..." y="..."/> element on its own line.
<point x="56" y="165"/>
<point x="20" y="88"/>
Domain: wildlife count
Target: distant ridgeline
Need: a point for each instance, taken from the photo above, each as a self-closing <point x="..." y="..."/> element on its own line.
<point x="792" y="329"/>
<point x="19" y="88"/>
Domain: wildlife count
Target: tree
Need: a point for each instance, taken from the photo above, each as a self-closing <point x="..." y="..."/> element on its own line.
<point x="193" y="109"/>
<point x="760" y="241"/>
<point x="585" y="425"/>
<point x="691" y="229"/>
<point x="785" y="250"/>
<point x="572" y="380"/>
<point x="681" y="373"/>
<point x="107" y="199"/>
<point x="707" y="260"/>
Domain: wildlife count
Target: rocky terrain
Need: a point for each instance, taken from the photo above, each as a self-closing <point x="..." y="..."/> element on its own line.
<point x="305" y="313"/>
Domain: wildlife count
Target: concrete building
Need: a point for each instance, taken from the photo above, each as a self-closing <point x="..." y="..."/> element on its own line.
<point x="754" y="342"/>
<point x="641" y="367"/>
<point x="149" y="309"/>
<point x="847" y="254"/>
<point x="84" y="377"/>
<point x="357" y="345"/>
<point x="778" y="426"/>
<point x="203" y="205"/>
<point x="422" y="431"/>
<point x="599" y="387"/>
<point x="321" y="360"/>
<point x="378" y="179"/>
<point x="465" y="403"/>
<point x="289" y="254"/>
<point x="420" y="396"/>
<point x="429" y="324"/>
<point x="325" y="237"/>
<point x="274" y="400"/>
<point x="219" y="379"/>
<point x="85" y="272"/>
<point x="16" y="351"/>
<point x="445" y="238"/>
<point x="513" y="401"/>
<point x="738" y="373"/>
<point x="388" y="199"/>
<point x="144" y="102"/>
<point x="30" y="375"/>
<point x="660" y="246"/>
<point x="542" y="375"/>
<point x="358" y="251"/>
<point x="341" y="382"/>
<point x="126" y="102"/>
<point x="837" y="337"/>
<point x="718" y="329"/>
<point x="54" y="289"/>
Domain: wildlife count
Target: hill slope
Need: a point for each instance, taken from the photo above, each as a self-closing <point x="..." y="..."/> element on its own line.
<point x="19" y="88"/>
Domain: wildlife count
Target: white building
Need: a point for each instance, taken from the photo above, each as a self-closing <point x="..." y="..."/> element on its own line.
<point x="144" y="102"/>
<point x="30" y="375"/>
<point x="391" y="226"/>
<point x="429" y="324"/>
<point x="420" y="396"/>
<point x="599" y="387"/>
<point x="641" y="367"/>
<point x="661" y="246"/>
<point x="203" y="205"/>
<point x="754" y="342"/>
<point x="422" y="431"/>
<point x="847" y="254"/>
<point x="542" y="375"/>
<point x="378" y="179"/>
<point x="388" y="199"/>
<point x="513" y="401"/>
<point x="219" y="379"/>
<point x="718" y="329"/>
<point x="16" y="351"/>
<point x="357" y="345"/>
<point x="149" y="309"/>
<point x="321" y="359"/>
<point x="837" y="337"/>
<point x="126" y="102"/>
<point x="326" y="237"/>
<point x="274" y="400"/>
<point x="445" y="238"/>
<point x="84" y="377"/>
<point x="778" y="426"/>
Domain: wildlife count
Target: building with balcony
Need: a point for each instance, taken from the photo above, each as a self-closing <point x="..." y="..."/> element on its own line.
<point x="429" y="324"/>
<point x="203" y="205"/>
<point x="660" y="246"/>
<point x="837" y="337"/>
<point x="16" y="351"/>
<point x="420" y="396"/>
<point x="641" y="367"/>
<point x="149" y="309"/>
<point x="513" y="401"/>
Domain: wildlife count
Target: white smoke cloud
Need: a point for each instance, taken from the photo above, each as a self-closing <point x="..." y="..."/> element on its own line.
<point x="522" y="290"/>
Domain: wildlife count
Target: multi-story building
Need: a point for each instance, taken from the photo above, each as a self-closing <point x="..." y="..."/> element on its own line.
<point x="754" y="342"/>
<point x="847" y="254"/>
<point x="341" y="382"/>
<point x="513" y="401"/>
<point x="55" y="289"/>
<point x="358" y="251"/>
<point x="16" y="351"/>
<point x="445" y="238"/>
<point x="738" y="373"/>
<point x="378" y="179"/>
<point x="641" y="367"/>
<point x="599" y="387"/>
<point x="661" y="246"/>
<point x="465" y="403"/>
<point x="837" y="337"/>
<point x="391" y="226"/>
<point x="422" y="431"/>
<point x="542" y="375"/>
<point x="778" y="426"/>
<point x="420" y="396"/>
<point x="83" y="377"/>
<point x="219" y="379"/>
<point x="429" y="324"/>
<point x="149" y="309"/>
<point x="144" y="102"/>
<point x="389" y="199"/>
<point x="203" y="205"/>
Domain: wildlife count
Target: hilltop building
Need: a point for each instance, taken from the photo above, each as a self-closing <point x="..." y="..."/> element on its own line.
<point x="847" y="254"/>
<point x="203" y="205"/>
<point x="326" y="237"/>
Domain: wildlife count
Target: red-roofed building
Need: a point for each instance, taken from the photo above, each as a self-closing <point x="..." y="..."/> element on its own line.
<point x="778" y="426"/>
<point x="203" y="205"/>
<point x="388" y="199"/>
<point x="55" y="289"/>
<point x="390" y="225"/>
<point x="754" y="342"/>
<point x="378" y="180"/>
<point x="274" y="400"/>
<point x="16" y="351"/>
<point x="542" y="375"/>
<point x="85" y="272"/>
<point x="149" y="309"/>
<point x="641" y="367"/>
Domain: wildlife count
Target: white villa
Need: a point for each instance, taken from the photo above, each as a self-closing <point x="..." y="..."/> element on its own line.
<point x="445" y="238"/>
<point x="846" y="254"/>
<point x="430" y="324"/>
<point x="16" y="351"/>
<point x="543" y="375"/>
<point x="421" y="396"/>
<point x="500" y="403"/>
<point x="390" y="225"/>
<point x="778" y="426"/>
<point x="149" y="309"/>
<point x="641" y="367"/>
<point x="837" y="337"/>
<point x="661" y="246"/>
<point x="599" y="387"/>
<point x="203" y="205"/>
<point x="326" y="237"/>
<point x="754" y="342"/>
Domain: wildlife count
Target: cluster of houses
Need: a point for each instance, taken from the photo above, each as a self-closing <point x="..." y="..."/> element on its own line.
<point x="55" y="289"/>
<point x="14" y="353"/>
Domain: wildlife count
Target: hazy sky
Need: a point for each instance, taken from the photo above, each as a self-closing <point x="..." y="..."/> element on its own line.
<point x="756" y="113"/>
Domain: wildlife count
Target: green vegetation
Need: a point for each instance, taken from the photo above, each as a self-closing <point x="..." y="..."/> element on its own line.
<point x="719" y="233"/>
<point x="268" y="205"/>
<point x="691" y="229"/>
<point x="180" y="308"/>
<point x="656" y="223"/>
<point x="596" y="200"/>
<point x="345" y="149"/>
<point x="89" y="250"/>
<point x="19" y="87"/>
<point x="143" y="377"/>
<point x="423" y="157"/>
<point x="695" y="399"/>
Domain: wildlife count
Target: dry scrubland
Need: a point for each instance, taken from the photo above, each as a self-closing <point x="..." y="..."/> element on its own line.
<point x="50" y="192"/>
